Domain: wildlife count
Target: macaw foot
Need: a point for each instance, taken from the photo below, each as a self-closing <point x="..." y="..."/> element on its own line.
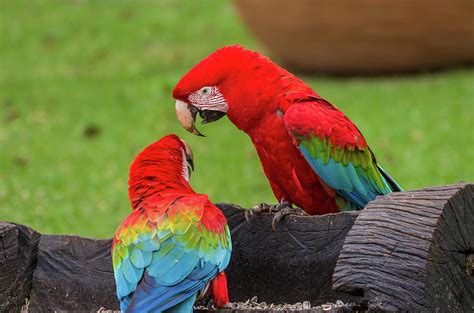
<point x="287" y="210"/>
<point x="281" y="210"/>
<point x="265" y="208"/>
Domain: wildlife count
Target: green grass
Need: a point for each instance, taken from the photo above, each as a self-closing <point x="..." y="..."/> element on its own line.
<point x="66" y="66"/>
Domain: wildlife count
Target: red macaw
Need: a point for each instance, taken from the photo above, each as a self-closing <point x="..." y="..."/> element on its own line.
<point x="176" y="243"/>
<point x="312" y="154"/>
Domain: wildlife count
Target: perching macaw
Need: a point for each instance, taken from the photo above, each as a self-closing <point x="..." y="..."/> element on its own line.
<point x="312" y="154"/>
<point x="175" y="243"/>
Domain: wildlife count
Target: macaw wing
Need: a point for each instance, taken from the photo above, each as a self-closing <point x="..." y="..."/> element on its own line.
<point x="337" y="151"/>
<point x="164" y="256"/>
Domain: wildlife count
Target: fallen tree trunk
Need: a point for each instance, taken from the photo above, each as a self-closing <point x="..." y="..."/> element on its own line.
<point x="406" y="251"/>
<point x="412" y="251"/>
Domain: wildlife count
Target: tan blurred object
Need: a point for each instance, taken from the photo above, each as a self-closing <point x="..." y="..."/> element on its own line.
<point x="364" y="36"/>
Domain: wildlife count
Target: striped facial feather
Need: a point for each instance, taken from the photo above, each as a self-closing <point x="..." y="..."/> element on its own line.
<point x="185" y="166"/>
<point x="208" y="98"/>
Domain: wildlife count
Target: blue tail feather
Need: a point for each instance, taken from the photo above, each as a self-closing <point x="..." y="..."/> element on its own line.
<point x="184" y="307"/>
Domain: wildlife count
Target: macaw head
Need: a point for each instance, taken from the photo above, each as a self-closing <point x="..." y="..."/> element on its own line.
<point x="166" y="163"/>
<point x="227" y="82"/>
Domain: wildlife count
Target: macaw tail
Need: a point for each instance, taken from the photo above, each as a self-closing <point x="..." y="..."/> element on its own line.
<point x="218" y="290"/>
<point x="185" y="306"/>
<point x="392" y="183"/>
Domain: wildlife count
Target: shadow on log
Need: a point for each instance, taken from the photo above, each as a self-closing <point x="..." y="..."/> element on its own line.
<point x="410" y="251"/>
<point x="73" y="274"/>
<point x="18" y="245"/>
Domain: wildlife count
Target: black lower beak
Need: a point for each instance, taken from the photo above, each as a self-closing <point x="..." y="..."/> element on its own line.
<point x="209" y="116"/>
<point x="190" y="162"/>
<point x="194" y="111"/>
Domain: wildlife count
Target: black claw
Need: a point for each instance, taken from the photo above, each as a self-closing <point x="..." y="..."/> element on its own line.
<point x="279" y="216"/>
<point x="275" y="221"/>
<point x="258" y="209"/>
<point x="248" y="213"/>
<point x="255" y="210"/>
<point x="280" y="210"/>
<point x="284" y="210"/>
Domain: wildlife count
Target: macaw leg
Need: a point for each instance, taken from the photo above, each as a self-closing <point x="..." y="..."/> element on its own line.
<point x="284" y="211"/>
<point x="281" y="209"/>
<point x="265" y="208"/>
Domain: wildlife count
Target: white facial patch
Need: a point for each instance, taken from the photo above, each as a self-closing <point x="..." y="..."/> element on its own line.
<point x="208" y="98"/>
<point x="185" y="166"/>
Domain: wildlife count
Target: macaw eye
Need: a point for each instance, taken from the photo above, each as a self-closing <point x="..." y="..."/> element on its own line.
<point x="205" y="91"/>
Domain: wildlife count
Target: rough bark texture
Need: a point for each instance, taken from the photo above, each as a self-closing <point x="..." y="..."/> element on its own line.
<point x="73" y="274"/>
<point x="410" y="251"/>
<point x="18" y="246"/>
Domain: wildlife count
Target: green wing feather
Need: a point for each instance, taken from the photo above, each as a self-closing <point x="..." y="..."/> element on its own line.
<point x="337" y="152"/>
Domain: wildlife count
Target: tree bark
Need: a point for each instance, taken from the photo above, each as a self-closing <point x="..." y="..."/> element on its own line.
<point x="411" y="251"/>
<point x="18" y="245"/>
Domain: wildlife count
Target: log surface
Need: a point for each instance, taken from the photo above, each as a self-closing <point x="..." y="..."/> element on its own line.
<point x="75" y="273"/>
<point x="410" y="251"/>
<point x="293" y="264"/>
<point x="18" y="245"/>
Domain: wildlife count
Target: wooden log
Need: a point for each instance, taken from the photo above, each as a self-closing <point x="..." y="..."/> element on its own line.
<point x="18" y="246"/>
<point x="411" y="251"/>
<point x="293" y="264"/>
<point x="407" y="251"/>
<point x="73" y="274"/>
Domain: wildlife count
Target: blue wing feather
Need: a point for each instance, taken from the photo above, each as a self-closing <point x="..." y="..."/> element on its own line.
<point x="162" y="272"/>
<point x="150" y="295"/>
<point x="178" y="272"/>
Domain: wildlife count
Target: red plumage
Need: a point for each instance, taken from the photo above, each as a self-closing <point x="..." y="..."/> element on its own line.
<point x="218" y="290"/>
<point x="154" y="170"/>
<point x="258" y="94"/>
<point x="175" y="241"/>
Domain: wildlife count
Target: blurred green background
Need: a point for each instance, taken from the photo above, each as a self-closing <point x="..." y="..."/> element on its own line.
<point x="85" y="85"/>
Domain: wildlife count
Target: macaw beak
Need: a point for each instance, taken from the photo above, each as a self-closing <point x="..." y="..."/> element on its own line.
<point x="187" y="113"/>
<point x="188" y="153"/>
<point x="189" y="160"/>
<point x="209" y="116"/>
